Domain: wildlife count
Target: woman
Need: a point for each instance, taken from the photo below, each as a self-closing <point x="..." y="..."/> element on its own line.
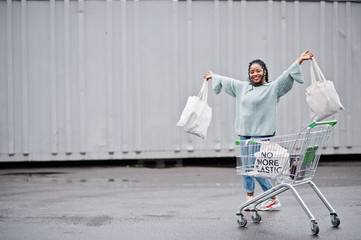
<point x="256" y="105"/>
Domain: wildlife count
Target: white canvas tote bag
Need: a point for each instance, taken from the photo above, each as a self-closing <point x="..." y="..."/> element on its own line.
<point x="321" y="96"/>
<point x="271" y="161"/>
<point x="197" y="115"/>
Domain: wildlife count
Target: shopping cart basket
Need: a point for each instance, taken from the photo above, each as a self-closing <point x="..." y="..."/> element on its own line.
<point x="290" y="160"/>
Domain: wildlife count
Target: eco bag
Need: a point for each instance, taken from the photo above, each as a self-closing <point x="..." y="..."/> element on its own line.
<point x="197" y="115"/>
<point x="271" y="161"/>
<point x="321" y="96"/>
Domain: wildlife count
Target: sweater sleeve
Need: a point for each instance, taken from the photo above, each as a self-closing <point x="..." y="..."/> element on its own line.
<point x="285" y="81"/>
<point x="225" y="83"/>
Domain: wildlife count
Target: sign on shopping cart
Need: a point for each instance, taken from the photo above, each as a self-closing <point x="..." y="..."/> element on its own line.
<point x="272" y="160"/>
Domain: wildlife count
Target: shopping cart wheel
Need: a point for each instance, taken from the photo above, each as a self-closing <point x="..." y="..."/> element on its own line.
<point x="241" y="222"/>
<point x="315" y="229"/>
<point x="256" y="219"/>
<point x="335" y="220"/>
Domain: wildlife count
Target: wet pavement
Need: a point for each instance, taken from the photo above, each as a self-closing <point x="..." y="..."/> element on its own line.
<point x="169" y="203"/>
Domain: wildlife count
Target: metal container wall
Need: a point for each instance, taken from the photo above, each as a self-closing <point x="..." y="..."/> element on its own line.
<point x="109" y="79"/>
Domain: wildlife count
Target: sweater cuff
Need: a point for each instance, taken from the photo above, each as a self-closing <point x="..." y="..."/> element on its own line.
<point x="216" y="83"/>
<point x="295" y="71"/>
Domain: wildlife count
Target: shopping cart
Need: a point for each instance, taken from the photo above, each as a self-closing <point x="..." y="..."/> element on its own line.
<point x="290" y="160"/>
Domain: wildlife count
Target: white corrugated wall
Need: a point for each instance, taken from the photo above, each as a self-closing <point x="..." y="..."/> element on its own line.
<point x="109" y="79"/>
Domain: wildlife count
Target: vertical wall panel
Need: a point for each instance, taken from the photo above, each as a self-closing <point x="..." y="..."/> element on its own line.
<point x="283" y="59"/>
<point x="109" y="79"/>
<point x="176" y="72"/>
<point x="67" y="80"/>
<point x="353" y="108"/>
<point x="322" y="35"/>
<point x="296" y="51"/>
<point x="24" y="79"/>
<point x="3" y="79"/>
<point x="217" y="57"/>
<point x="348" y="75"/>
<point x="189" y="56"/>
<point x="124" y="91"/>
<point x="10" y="79"/>
<point x="244" y="29"/>
<point x="270" y="30"/>
<point x="137" y="90"/>
<point x="335" y="62"/>
<point x="81" y="78"/>
<point x="52" y="78"/>
<point x="230" y="59"/>
<point x="110" y="75"/>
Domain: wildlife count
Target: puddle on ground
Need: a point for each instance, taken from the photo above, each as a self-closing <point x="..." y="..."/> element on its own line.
<point x="32" y="173"/>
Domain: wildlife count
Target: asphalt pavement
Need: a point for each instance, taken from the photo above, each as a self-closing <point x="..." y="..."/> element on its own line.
<point x="121" y="202"/>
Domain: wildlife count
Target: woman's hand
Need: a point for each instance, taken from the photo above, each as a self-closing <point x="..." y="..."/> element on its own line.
<point x="305" y="56"/>
<point x="208" y="75"/>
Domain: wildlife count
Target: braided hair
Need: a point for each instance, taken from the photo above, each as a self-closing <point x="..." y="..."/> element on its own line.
<point x="262" y="64"/>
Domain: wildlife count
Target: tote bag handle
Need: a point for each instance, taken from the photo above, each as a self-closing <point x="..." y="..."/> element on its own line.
<point x="314" y="67"/>
<point x="203" y="93"/>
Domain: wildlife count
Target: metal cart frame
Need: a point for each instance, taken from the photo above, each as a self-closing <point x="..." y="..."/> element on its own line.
<point x="299" y="166"/>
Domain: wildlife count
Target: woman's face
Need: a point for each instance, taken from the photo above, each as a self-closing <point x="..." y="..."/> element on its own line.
<point x="257" y="74"/>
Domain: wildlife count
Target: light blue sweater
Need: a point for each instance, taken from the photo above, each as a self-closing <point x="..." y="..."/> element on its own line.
<point x="256" y="107"/>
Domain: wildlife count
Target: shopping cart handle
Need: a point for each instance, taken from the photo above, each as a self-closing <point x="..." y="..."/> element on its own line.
<point x="314" y="124"/>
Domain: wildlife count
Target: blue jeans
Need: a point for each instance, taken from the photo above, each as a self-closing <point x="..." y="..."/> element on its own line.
<point x="249" y="181"/>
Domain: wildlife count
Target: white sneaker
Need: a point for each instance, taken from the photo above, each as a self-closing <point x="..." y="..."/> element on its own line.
<point x="251" y="206"/>
<point x="269" y="205"/>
